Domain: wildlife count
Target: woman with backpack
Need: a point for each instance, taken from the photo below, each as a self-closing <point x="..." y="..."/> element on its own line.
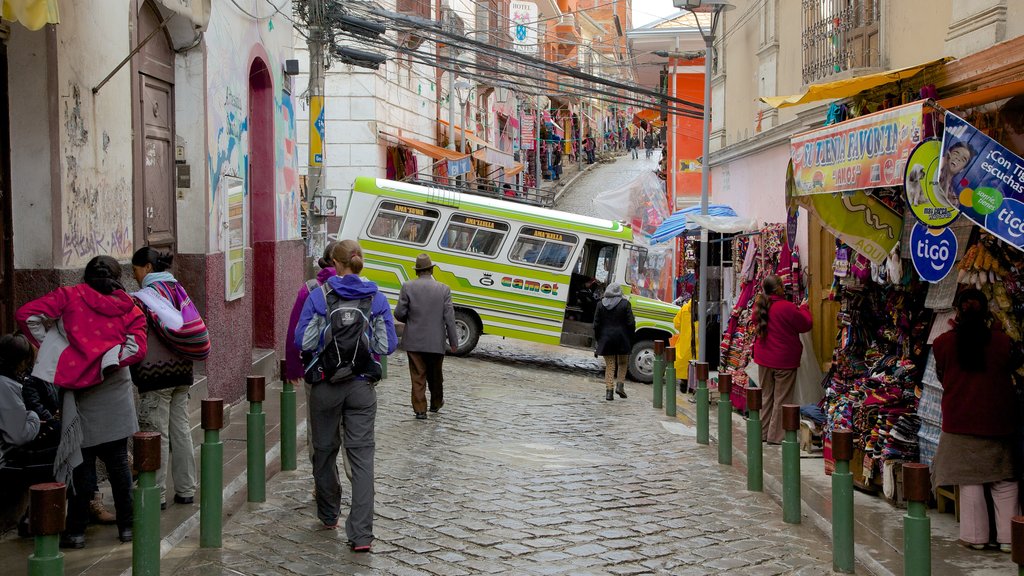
<point x="164" y="376"/>
<point x="88" y="334"/>
<point x="343" y="328"/>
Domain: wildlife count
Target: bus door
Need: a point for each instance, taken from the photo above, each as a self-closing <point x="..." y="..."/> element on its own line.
<point x="594" y="270"/>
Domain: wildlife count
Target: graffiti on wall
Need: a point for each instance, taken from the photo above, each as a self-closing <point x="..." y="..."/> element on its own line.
<point x="228" y="156"/>
<point x="286" y="159"/>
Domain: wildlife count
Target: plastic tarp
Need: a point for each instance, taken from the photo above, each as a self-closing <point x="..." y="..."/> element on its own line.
<point x="721" y="218"/>
<point x="848" y="86"/>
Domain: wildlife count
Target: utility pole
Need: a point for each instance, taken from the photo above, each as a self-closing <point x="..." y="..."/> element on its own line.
<point x="315" y="43"/>
<point x="537" y="130"/>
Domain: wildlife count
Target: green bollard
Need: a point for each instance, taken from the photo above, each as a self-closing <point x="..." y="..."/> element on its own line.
<point x="755" y="458"/>
<point x="703" y="405"/>
<point x="288" y="427"/>
<point x="659" y="373"/>
<point x="1017" y="543"/>
<point x="146" y="506"/>
<point x="211" y="495"/>
<point x="724" y="419"/>
<point x="917" y="533"/>
<point x="670" y="382"/>
<point x="256" y="439"/>
<point x="842" y="502"/>
<point x="46" y="510"/>
<point x="791" y="464"/>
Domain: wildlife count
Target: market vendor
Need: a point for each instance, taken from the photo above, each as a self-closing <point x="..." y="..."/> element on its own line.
<point x="685" y="341"/>
<point x="777" y="351"/>
<point x="973" y="363"/>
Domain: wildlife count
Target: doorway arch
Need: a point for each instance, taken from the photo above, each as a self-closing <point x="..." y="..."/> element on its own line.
<point x="261" y="181"/>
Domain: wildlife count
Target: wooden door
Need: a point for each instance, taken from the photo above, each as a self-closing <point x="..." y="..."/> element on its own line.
<point x="153" y="103"/>
<point x="6" y="231"/>
<point x="819" y="281"/>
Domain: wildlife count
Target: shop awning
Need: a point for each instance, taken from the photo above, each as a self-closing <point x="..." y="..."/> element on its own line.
<point x="514" y="170"/>
<point x="435" y="152"/>
<point x="494" y="156"/>
<point x="720" y="218"/>
<point x="848" y="87"/>
<point x="32" y="14"/>
<point x="470" y="135"/>
<point x="649" y="115"/>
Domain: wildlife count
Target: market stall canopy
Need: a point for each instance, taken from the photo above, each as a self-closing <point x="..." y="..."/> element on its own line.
<point x="720" y="218"/>
<point x="847" y="87"/>
<point x="435" y="152"/>
<point x="650" y="116"/>
<point x="32" y="14"/>
<point x="471" y="136"/>
<point x="496" y="157"/>
<point x="514" y="170"/>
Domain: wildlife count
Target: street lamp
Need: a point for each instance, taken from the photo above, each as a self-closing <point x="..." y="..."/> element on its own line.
<point x="715" y="8"/>
<point x="462" y="89"/>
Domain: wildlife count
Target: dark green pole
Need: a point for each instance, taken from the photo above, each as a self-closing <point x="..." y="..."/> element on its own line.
<point x="288" y="426"/>
<point x="755" y="458"/>
<point x="703" y="405"/>
<point x="917" y="529"/>
<point x="211" y="485"/>
<point x="1017" y="543"/>
<point x="659" y="372"/>
<point x="146" y="537"/>
<point x="842" y="502"/>
<point x="791" y="464"/>
<point x="670" y="382"/>
<point x="46" y="511"/>
<point x="256" y="439"/>
<point x="724" y="419"/>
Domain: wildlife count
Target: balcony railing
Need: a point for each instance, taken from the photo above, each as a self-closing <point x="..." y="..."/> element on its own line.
<point x="839" y="35"/>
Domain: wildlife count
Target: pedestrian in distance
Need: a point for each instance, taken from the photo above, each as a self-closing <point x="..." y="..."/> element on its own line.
<point x="777" y="351"/>
<point x="614" y="328"/>
<point x="88" y="334"/>
<point x="974" y="365"/>
<point x="178" y="337"/>
<point x="344" y="327"/>
<point x="589" y="147"/>
<point x="425" y="306"/>
<point x="294" y="370"/>
<point x="648" y="145"/>
<point x="556" y="164"/>
<point x="634" y="145"/>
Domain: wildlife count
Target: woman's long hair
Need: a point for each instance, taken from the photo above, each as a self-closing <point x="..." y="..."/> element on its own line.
<point x="973" y="333"/>
<point x="103" y="274"/>
<point x="161" y="261"/>
<point x="770" y="286"/>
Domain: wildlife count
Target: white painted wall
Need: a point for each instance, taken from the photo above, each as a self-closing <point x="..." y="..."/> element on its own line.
<point x="30" y="149"/>
<point x="190" y="133"/>
<point x="95" y="133"/>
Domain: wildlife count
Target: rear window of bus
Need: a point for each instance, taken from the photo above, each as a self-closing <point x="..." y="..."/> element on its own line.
<point x="403" y="222"/>
<point x="540" y="247"/>
<point x="473" y="235"/>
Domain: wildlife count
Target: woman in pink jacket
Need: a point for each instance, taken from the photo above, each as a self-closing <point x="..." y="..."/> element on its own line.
<point x="777" y="351"/>
<point x="88" y="334"/>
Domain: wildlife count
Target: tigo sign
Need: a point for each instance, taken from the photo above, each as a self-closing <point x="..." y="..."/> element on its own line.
<point x="933" y="251"/>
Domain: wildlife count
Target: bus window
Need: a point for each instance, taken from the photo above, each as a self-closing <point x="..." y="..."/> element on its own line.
<point x="403" y="222"/>
<point x="605" y="273"/>
<point x="542" y="247"/>
<point x="474" y="235"/>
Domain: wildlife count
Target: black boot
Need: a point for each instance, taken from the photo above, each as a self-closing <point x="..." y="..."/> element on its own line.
<point x="620" y="389"/>
<point x="609" y="394"/>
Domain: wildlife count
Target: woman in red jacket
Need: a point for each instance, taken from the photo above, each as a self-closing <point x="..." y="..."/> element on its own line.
<point x="777" y="351"/>
<point x="978" y="420"/>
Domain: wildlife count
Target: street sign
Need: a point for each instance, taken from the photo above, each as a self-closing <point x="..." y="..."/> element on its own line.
<point x="523" y="26"/>
<point x="316" y="131"/>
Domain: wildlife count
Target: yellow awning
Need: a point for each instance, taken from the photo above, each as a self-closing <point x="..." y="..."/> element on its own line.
<point x="848" y="87"/>
<point x="435" y="152"/>
<point x="33" y="14"/>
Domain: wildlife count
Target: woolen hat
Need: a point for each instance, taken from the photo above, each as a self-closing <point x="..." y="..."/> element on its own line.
<point x="423" y="263"/>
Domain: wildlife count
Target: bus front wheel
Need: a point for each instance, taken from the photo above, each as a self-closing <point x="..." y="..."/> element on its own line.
<point x="468" y="330"/>
<point x="641" y="361"/>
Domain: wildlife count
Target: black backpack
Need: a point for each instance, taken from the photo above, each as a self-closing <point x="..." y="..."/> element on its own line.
<point x="346" y="351"/>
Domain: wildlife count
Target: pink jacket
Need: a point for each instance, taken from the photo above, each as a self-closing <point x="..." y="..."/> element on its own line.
<point x="93" y="332"/>
<point x="781" y="347"/>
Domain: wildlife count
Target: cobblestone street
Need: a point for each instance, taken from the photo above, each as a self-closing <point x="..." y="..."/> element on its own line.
<point x="578" y="198"/>
<point x="526" y="470"/>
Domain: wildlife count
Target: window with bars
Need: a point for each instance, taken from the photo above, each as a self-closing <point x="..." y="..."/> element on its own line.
<point x="839" y="35"/>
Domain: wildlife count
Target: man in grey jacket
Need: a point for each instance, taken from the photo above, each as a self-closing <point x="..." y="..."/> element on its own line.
<point x="425" y="306"/>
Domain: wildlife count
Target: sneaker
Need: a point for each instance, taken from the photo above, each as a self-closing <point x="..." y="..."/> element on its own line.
<point x="74" y="541"/>
<point x="332" y="525"/>
<point x="361" y="548"/>
<point x="971" y="546"/>
<point x="1007" y="548"/>
<point x="421" y="415"/>
<point x="125" y="535"/>
<point x="184" y="499"/>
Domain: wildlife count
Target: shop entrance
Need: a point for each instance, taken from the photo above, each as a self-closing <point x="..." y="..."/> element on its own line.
<point x="822" y="249"/>
<point x="261" y="201"/>
<point x="6" y="232"/>
<point x="153" y="120"/>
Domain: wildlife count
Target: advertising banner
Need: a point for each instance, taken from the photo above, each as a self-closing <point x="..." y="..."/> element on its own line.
<point x="867" y="152"/>
<point x="234" y="251"/>
<point x="528" y="136"/>
<point x="522" y="17"/>
<point x="984" y="178"/>
<point x="459" y="167"/>
<point x="933" y="251"/>
<point x="859" y="219"/>
<point x="316" y="131"/>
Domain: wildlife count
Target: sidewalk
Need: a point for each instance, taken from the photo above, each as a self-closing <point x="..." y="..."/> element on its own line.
<point x="878" y="525"/>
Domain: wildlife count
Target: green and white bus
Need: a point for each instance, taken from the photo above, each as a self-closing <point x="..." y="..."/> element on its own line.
<point x="515" y="270"/>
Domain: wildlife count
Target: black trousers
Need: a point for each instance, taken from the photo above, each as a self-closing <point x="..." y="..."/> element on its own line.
<point x="115" y="458"/>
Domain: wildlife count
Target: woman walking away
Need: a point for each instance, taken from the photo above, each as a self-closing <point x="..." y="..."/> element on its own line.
<point x="614" y="326"/>
<point x="777" y="351"/>
<point x="973" y="363"/>
<point x="342" y="326"/>
<point x="164" y="377"/>
<point x="88" y="335"/>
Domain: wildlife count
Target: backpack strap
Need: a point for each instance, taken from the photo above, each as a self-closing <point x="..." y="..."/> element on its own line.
<point x="312" y="284"/>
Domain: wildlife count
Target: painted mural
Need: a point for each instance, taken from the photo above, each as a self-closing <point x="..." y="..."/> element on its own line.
<point x="232" y="34"/>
